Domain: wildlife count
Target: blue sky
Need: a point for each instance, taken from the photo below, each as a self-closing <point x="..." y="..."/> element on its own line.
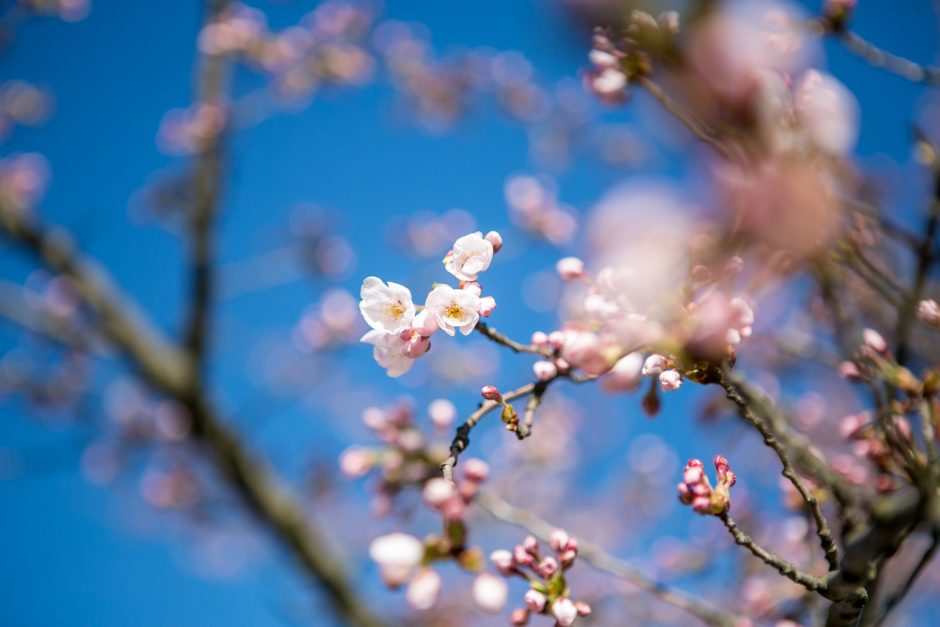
<point x="76" y="554"/>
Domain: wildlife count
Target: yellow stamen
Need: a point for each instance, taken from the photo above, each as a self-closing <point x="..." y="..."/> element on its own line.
<point x="396" y="311"/>
<point x="454" y="311"/>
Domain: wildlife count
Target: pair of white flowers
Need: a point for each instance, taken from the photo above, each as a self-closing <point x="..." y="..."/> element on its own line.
<point x="399" y="333"/>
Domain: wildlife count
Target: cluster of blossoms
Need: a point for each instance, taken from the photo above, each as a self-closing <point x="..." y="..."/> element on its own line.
<point x="400" y="334"/>
<point x="324" y="47"/>
<point x="612" y="66"/>
<point x="549" y="594"/>
<point x="403" y="558"/>
<point x="614" y="339"/>
<point x="405" y="457"/>
<point x="697" y="491"/>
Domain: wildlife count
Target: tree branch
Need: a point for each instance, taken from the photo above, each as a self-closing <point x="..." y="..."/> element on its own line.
<point x="603" y="561"/>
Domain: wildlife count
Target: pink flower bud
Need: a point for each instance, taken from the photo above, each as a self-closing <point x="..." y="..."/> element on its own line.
<point x="570" y="268"/>
<point x="531" y="545"/>
<point x="559" y="540"/>
<point x="502" y="561"/>
<point x="583" y="608"/>
<point x="929" y="312"/>
<point x="494" y="238"/>
<point x="874" y="341"/>
<point x="490" y="393"/>
<point x="437" y="492"/>
<point x="702" y="505"/>
<point x="721" y="464"/>
<point x="535" y="601"/>
<point x="473" y="287"/>
<point x="544" y="370"/>
<point x="539" y="339"/>
<point x="487" y="306"/>
<point x="423" y="590"/>
<point x="849" y="370"/>
<point x="476" y="470"/>
<point x="521" y="556"/>
<point x="519" y="616"/>
<point x="692" y="474"/>
<point x="548" y="567"/>
<point x="356" y="461"/>
<point x="556" y="339"/>
<point x="670" y="380"/>
<point x="425" y="324"/>
<point x="564" y="612"/>
<point x="489" y="592"/>
<point x="397" y="554"/>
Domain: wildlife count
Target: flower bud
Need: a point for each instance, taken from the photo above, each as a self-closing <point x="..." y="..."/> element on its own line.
<point x="570" y="268"/>
<point x="535" y="601"/>
<point x="423" y="590"/>
<point x="490" y="393"/>
<point x="502" y="561"/>
<point x="564" y="612"/>
<point x="487" y="306"/>
<point x="544" y="370"/>
<point x="494" y="238"/>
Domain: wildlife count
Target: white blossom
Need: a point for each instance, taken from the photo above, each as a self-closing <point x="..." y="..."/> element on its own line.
<point x="389" y="352"/>
<point x="386" y="308"/>
<point x="470" y="255"/>
<point x="453" y="309"/>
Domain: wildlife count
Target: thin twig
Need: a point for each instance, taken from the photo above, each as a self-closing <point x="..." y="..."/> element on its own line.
<point x="488" y="331"/>
<point x="734" y="393"/>
<point x="462" y="438"/>
<point x="603" y="561"/>
<point x="785" y="568"/>
<point x="699" y="130"/>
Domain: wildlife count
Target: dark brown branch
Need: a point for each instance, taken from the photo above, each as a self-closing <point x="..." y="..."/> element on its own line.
<point x="785" y="568"/>
<point x="603" y="561"/>
<point x="462" y="438"/>
<point x="499" y="338"/>
<point x="743" y="400"/>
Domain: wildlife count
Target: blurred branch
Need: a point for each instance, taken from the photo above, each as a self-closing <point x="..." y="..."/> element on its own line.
<point x="603" y="561"/>
<point x="876" y="57"/>
<point x="207" y="182"/>
<point x="903" y="591"/>
<point x="170" y="370"/>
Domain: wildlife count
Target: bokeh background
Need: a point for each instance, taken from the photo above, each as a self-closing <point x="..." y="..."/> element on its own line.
<point x="320" y="194"/>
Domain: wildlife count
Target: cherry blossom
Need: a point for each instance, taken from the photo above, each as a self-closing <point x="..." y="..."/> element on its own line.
<point x="470" y="255"/>
<point x="387" y="308"/>
<point x="453" y="309"/>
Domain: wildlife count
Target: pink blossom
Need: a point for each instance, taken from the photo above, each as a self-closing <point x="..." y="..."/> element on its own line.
<point x="442" y="413"/>
<point x="437" y="492"/>
<point x="487" y="306"/>
<point x="875" y="341"/>
<point x="654" y="365"/>
<point x="356" y="461"/>
<point x="625" y="376"/>
<point x="387" y="308"/>
<point x="495" y="239"/>
<point x="397" y="555"/>
<point x="929" y="312"/>
<point x="476" y="470"/>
